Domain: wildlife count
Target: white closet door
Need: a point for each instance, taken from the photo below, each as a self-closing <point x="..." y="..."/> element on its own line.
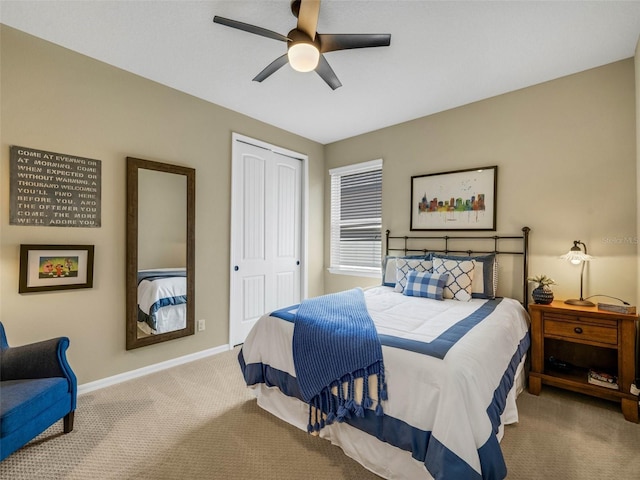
<point x="266" y="235"/>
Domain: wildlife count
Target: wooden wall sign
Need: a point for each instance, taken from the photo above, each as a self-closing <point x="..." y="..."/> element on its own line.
<point x="54" y="189"/>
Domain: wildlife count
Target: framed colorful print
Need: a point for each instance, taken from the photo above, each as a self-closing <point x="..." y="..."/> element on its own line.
<point x="459" y="200"/>
<point x="55" y="267"/>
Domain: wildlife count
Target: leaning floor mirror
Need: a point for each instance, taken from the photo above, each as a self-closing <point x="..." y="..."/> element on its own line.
<point x="160" y="266"/>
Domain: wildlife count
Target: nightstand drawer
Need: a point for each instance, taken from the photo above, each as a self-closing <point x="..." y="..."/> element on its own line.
<point x="581" y="331"/>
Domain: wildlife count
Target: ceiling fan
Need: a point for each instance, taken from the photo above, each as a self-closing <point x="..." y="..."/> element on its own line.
<point x="305" y="47"/>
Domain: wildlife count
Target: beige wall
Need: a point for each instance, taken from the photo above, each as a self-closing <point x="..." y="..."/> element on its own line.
<point x="566" y="156"/>
<point x="56" y="100"/>
<point x="637" y="78"/>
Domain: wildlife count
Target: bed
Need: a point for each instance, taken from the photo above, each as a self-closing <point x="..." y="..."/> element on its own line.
<point x="451" y="366"/>
<point x="162" y="300"/>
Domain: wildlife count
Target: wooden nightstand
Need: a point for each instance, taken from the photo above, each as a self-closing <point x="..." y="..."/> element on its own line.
<point x="581" y="338"/>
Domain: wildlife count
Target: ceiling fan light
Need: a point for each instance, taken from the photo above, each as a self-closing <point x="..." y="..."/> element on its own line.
<point x="303" y="57"/>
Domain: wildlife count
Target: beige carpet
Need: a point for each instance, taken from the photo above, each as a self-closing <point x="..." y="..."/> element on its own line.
<point x="198" y="421"/>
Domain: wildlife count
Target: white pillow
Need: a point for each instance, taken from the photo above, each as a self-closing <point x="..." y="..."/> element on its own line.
<point x="458" y="286"/>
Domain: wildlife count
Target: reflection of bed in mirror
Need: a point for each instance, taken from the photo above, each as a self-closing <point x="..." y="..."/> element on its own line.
<point x="162" y="300"/>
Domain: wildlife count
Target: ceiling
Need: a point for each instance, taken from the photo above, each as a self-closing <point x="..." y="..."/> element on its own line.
<point x="443" y="54"/>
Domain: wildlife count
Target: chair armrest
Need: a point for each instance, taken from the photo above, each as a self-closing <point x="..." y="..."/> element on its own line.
<point x="36" y="360"/>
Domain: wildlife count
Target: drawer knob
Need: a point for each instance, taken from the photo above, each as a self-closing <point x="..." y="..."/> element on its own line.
<point x="577" y="330"/>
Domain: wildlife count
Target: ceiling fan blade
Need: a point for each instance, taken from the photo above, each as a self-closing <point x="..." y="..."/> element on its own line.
<point x="327" y="74"/>
<point x="250" y="28"/>
<point x="273" y="67"/>
<point x="330" y="42"/>
<point x="308" y="17"/>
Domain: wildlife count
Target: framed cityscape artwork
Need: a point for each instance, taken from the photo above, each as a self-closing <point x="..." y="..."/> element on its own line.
<point x="457" y="200"/>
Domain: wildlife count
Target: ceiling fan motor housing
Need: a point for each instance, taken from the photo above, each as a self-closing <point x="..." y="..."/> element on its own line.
<point x="298" y="36"/>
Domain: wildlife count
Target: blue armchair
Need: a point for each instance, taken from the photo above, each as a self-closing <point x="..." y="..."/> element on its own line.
<point x="37" y="388"/>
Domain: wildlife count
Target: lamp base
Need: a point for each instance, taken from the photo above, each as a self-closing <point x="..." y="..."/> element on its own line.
<point x="581" y="303"/>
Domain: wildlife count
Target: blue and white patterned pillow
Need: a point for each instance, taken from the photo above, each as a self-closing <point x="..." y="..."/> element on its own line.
<point x="458" y="286"/>
<point x="485" y="274"/>
<point x="406" y="265"/>
<point x="425" y="284"/>
<point x="389" y="267"/>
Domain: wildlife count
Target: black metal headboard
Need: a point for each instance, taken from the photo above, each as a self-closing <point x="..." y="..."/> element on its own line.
<point x="443" y="244"/>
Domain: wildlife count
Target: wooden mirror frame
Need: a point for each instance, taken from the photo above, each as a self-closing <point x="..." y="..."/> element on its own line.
<point x="133" y="165"/>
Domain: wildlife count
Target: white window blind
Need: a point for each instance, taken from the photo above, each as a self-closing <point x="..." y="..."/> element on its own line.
<point x="356" y="218"/>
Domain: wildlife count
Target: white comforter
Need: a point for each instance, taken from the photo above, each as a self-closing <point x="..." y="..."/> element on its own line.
<point x="450" y="401"/>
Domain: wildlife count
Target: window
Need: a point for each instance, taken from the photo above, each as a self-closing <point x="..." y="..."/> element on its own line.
<point x="356" y="219"/>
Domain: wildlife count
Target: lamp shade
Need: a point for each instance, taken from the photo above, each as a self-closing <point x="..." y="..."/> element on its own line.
<point x="576" y="255"/>
<point x="303" y="57"/>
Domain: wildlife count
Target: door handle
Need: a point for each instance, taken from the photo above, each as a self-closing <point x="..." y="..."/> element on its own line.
<point x="236" y="268"/>
<point x="577" y="330"/>
<point x="297" y="262"/>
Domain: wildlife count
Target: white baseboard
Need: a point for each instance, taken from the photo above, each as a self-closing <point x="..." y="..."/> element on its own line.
<point x="122" y="377"/>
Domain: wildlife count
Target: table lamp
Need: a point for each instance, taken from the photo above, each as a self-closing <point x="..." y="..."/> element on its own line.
<point x="577" y="256"/>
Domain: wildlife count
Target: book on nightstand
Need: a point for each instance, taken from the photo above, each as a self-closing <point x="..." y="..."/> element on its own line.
<point x="603" y="379"/>
<point x="625" y="309"/>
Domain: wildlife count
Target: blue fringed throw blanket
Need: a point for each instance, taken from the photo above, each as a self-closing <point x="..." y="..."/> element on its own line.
<point x="335" y="342"/>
